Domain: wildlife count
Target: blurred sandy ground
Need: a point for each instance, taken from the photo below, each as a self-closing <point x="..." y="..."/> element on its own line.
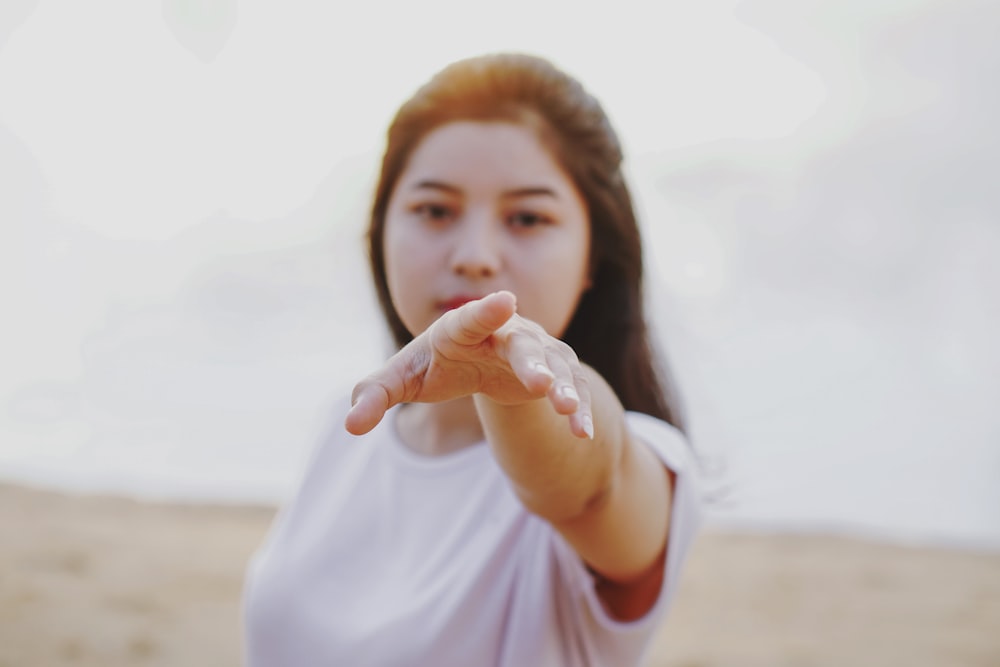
<point x="104" y="581"/>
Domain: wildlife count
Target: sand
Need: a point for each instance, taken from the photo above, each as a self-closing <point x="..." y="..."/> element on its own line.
<point x="102" y="581"/>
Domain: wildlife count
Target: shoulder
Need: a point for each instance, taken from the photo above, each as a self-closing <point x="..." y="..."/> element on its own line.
<point x="621" y="642"/>
<point x="669" y="444"/>
<point x="673" y="449"/>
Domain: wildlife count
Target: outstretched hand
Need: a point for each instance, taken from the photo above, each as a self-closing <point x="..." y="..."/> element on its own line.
<point x="482" y="347"/>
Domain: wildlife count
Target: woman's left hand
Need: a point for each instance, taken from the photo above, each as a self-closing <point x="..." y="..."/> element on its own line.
<point x="482" y="347"/>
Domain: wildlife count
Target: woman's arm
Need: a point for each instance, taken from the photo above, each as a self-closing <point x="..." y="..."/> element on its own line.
<point x="557" y="430"/>
<point x="609" y="497"/>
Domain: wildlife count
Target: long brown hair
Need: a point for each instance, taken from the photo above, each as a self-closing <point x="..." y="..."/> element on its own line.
<point x="608" y="330"/>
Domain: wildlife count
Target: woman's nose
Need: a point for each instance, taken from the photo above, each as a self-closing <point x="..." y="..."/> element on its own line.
<point x="476" y="253"/>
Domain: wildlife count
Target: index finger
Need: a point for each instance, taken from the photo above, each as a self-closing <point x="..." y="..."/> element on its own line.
<point x="476" y="321"/>
<point x="396" y="382"/>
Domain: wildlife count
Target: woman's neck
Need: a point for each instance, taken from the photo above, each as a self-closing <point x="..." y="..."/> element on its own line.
<point x="435" y="429"/>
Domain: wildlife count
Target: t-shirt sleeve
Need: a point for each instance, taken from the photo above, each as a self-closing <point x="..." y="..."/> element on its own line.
<point x="608" y="641"/>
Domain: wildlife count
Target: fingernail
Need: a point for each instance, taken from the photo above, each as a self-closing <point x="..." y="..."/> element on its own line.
<point x="588" y="426"/>
<point x="569" y="392"/>
<point x="543" y="369"/>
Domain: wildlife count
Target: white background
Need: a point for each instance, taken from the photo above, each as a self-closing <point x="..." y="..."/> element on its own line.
<point x="183" y="188"/>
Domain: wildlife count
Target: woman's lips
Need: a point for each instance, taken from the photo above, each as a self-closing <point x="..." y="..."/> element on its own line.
<point x="456" y="301"/>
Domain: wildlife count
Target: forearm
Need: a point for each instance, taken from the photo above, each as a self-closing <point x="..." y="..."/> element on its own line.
<point x="555" y="473"/>
<point x="610" y="497"/>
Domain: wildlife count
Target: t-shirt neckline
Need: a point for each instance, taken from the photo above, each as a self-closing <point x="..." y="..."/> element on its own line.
<point x="453" y="460"/>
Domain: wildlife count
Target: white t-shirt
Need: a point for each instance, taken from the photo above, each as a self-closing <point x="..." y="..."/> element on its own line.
<point x="387" y="557"/>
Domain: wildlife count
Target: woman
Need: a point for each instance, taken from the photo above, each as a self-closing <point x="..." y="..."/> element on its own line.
<point x="512" y="487"/>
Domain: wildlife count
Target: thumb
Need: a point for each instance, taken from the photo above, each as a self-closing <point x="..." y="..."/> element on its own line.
<point x="369" y="403"/>
<point x="396" y="382"/>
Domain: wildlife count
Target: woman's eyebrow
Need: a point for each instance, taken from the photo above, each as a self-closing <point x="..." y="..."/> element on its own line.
<point x="533" y="191"/>
<point x="436" y="185"/>
<point x="527" y="191"/>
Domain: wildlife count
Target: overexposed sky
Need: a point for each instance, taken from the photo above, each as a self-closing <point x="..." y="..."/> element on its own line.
<point x="183" y="186"/>
<point x="146" y="117"/>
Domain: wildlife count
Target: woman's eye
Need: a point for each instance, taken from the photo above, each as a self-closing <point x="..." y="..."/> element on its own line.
<point x="433" y="212"/>
<point x="527" y="219"/>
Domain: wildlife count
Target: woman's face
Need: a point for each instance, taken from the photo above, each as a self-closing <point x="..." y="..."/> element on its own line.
<point x="483" y="206"/>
